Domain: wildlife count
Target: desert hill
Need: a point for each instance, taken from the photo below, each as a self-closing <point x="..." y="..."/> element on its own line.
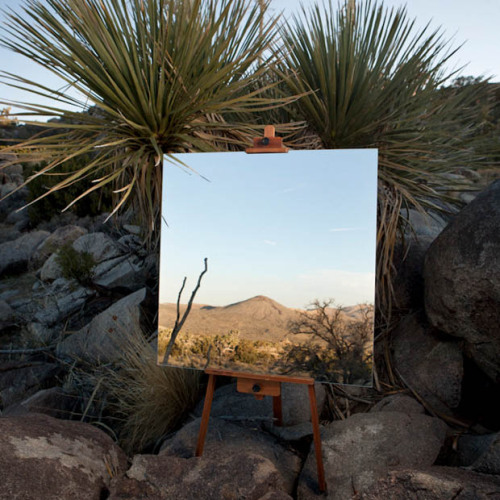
<point x="258" y="318"/>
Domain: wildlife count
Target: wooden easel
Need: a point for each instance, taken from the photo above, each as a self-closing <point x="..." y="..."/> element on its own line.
<point x="264" y="385"/>
<point x="260" y="386"/>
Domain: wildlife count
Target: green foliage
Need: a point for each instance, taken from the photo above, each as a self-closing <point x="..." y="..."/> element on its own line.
<point x="76" y="265"/>
<point x="93" y="204"/>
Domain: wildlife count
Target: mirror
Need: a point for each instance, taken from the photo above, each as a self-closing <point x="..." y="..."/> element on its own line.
<point x="290" y="246"/>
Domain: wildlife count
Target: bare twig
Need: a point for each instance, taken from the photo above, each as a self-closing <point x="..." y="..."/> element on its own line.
<point x="26" y="351"/>
<point x="179" y="324"/>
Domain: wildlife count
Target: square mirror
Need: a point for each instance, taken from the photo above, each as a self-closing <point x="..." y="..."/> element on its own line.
<point x="289" y="287"/>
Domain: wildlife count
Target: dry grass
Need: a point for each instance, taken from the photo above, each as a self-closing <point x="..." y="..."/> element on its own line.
<point x="150" y="400"/>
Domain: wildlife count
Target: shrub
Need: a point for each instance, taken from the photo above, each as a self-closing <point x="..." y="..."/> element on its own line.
<point x="76" y="265"/>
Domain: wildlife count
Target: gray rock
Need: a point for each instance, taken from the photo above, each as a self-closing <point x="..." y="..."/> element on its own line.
<point x="15" y="255"/>
<point x="462" y="280"/>
<point x="428" y="225"/>
<point x="295" y="403"/>
<point x="432" y="366"/>
<point x="59" y="304"/>
<point x="99" y="245"/>
<point x="361" y="449"/>
<point x="121" y="272"/>
<point x="470" y="447"/>
<point x="8" y="233"/>
<point x="40" y="333"/>
<point x="100" y="341"/>
<point x="398" y="402"/>
<point x="19" y="380"/>
<point x="226" y="439"/>
<point x="51" y="270"/>
<point x="60" y="237"/>
<point x="44" y="457"/>
<point x="489" y="461"/>
<point x="241" y="475"/>
<point x="54" y="402"/>
<point x="7" y="315"/>
<point x="433" y="483"/>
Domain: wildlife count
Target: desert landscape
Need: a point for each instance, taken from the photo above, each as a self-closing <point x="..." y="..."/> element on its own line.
<point x="260" y="335"/>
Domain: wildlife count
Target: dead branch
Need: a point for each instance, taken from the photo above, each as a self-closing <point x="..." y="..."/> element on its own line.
<point x="180" y="323"/>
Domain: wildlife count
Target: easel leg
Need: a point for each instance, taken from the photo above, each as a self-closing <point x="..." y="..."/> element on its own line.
<point x="317" y="438"/>
<point x="205" y="415"/>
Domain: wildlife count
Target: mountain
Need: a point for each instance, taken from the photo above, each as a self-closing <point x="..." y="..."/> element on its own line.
<point x="258" y="318"/>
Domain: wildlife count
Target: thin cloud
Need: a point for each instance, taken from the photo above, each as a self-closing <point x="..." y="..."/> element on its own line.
<point x="342" y="229"/>
<point x="270" y="242"/>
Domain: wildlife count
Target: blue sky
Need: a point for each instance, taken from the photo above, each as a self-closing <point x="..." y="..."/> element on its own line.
<point x="294" y="227"/>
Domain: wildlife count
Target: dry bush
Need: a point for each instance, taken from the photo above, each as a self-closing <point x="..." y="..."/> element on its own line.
<point x="149" y="400"/>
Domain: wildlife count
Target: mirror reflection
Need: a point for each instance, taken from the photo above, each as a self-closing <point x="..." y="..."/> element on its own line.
<point x="288" y="284"/>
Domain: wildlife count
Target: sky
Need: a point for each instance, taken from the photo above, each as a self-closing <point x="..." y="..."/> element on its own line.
<point x="472" y="23"/>
<point x="294" y="227"/>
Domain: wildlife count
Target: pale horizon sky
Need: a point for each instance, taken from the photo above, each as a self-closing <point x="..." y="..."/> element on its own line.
<point x="475" y="23"/>
<point x="294" y="227"/>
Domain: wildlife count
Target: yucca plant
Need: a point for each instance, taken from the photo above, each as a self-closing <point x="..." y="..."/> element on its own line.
<point x="155" y="77"/>
<point x="373" y="80"/>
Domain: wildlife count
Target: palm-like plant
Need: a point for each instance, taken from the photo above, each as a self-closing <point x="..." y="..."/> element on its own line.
<point x="372" y="80"/>
<point x="155" y="77"/>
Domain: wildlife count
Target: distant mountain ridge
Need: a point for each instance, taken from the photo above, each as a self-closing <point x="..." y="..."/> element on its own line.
<point x="257" y="318"/>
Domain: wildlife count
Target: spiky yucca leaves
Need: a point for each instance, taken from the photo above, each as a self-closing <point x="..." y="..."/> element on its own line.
<point x="155" y="76"/>
<point x="373" y="81"/>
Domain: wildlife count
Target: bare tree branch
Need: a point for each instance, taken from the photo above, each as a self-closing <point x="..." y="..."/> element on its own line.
<point x="179" y="324"/>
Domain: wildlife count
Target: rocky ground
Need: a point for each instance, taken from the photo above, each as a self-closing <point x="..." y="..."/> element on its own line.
<point x="429" y="429"/>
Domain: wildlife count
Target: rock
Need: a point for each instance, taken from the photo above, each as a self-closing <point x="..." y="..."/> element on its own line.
<point x="19" y="380"/>
<point x="60" y="237"/>
<point x="7" y="315"/>
<point x="432" y="366"/>
<point x="470" y="447"/>
<point x="15" y="255"/>
<point x="54" y="402"/>
<point x="226" y="477"/>
<point x="47" y="458"/>
<point x="132" y="229"/>
<point x="462" y="280"/>
<point x="361" y="449"/>
<point x="125" y="272"/>
<point x="100" y="341"/>
<point x="295" y="403"/>
<point x="226" y="440"/>
<point x="61" y="303"/>
<point x="408" y="282"/>
<point x="8" y="233"/>
<point x="51" y="270"/>
<point x="400" y="403"/>
<point x="41" y="334"/>
<point x="489" y="461"/>
<point x="433" y="483"/>
<point x="428" y="225"/>
<point x="99" y="245"/>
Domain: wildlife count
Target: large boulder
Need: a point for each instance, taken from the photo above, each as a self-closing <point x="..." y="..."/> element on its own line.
<point x="228" y="440"/>
<point x="430" y="364"/>
<point x="7" y="315"/>
<point x="126" y="272"/>
<point x="43" y="457"/>
<point x="101" y="340"/>
<point x="361" y="449"/>
<point x="462" y="280"/>
<point x="433" y="483"/>
<point x="241" y="474"/>
<point x="15" y="255"/>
